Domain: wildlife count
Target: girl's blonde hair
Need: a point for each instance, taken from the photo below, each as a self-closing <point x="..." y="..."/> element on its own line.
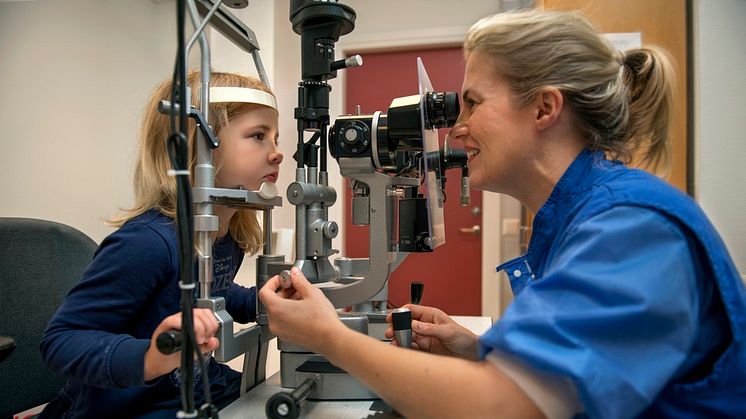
<point x="622" y="102"/>
<point x="154" y="188"/>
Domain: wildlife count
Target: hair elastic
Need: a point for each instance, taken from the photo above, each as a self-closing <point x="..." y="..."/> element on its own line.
<point x="242" y="95"/>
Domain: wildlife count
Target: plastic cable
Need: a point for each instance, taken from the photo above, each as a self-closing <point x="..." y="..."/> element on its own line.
<point x="187" y="286"/>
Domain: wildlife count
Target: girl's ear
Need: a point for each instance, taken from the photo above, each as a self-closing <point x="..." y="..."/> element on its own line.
<point x="548" y="106"/>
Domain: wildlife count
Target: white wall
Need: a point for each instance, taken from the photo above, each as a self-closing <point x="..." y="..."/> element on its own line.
<point x="85" y="67"/>
<point x="74" y="75"/>
<point x="720" y="45"/>
<point x="259" y="17"/>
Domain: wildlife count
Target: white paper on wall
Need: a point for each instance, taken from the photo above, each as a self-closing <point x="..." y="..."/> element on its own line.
<point x="623" y="41"/>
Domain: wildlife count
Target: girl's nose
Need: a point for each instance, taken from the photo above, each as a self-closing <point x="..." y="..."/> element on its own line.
<point x="275" y="157"/>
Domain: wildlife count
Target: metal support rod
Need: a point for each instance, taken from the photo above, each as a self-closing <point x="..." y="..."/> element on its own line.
<point x="260" y="67"/>
<point x="322" y="150"/>
<point x="267" y="230"/>
<point x="300" y="223"/>
<point x="204" y="171"/>
<point x="234" y="30"/>
<point x="199" y="29"/>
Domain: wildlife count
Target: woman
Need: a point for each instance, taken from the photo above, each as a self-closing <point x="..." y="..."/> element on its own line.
<point x="627" y="303"/>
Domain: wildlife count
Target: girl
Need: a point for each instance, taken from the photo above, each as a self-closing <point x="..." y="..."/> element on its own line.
<point x="103" y="336"/>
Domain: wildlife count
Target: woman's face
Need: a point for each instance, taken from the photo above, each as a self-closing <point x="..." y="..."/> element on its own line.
<point x="248" y="154"/>
<point x="494" y="129"/>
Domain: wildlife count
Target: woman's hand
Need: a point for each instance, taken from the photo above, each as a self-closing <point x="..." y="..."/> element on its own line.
<point x="301" y="313"/>
<point x="433" y="331"/>
<point x="205" y="327"/>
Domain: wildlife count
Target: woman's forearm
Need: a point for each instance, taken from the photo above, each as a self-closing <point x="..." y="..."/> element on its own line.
<point x="420" y="384"/>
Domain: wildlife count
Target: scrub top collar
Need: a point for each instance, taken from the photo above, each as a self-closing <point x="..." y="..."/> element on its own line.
<point x="552" y="215"/>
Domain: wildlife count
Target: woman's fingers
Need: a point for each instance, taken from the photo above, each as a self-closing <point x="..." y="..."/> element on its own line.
<point x="286" y="292"/>
<point x="268" y="292"/>
<point x="300" y="283"/>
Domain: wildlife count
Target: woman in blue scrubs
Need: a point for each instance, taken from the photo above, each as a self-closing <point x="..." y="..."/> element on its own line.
<point x="627" y="303"/>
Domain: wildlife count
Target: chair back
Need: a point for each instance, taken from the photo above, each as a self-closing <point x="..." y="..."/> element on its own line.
<point x="41" y="262"/>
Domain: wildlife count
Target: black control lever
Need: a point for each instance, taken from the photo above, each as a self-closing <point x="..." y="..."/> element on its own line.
<point x="402" y="322"/>
<point x="287" y="405"/>
<point x="169" y="342"/>
<point x="416" y="290"/>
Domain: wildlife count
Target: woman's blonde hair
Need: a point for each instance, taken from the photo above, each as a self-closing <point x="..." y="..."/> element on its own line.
<point x="154" y="188"/>
<point x="622" y="102"/>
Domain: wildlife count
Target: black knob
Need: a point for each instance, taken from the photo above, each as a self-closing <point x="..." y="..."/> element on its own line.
<point x="282" y="405"/>
<point x="287" y="405"/>
<point x="415" y="292"/>
<point x="169" y="342"/>
<point x="401" y="319"/>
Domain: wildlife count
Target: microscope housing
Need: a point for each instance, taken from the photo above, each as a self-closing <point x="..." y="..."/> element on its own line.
<point x="392" y="139"/>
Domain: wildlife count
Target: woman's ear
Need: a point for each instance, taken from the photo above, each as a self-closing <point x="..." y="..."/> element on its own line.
<point x="548" y="106"/>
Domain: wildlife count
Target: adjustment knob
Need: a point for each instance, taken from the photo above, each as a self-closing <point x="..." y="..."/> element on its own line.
<point x="331" y="229"/>
<point x="415" y="292"/>
<point x="351" y="135"/>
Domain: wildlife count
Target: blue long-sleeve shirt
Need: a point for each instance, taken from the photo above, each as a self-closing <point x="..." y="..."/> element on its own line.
<point x="99" y="336"/>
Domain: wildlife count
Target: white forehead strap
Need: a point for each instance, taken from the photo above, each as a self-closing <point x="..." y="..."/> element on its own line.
<point x="242" y="95"/>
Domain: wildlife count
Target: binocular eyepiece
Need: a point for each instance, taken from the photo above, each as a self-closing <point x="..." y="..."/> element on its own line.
<point x="441" y="110"/>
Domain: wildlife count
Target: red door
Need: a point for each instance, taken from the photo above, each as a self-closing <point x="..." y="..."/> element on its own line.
<point x="452" y="273"/>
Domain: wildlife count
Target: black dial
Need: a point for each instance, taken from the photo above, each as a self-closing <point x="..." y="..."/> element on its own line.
<point x="353" y="137"/>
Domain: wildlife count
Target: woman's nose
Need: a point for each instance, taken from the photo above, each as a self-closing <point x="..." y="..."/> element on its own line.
<point x="459" y="130"/>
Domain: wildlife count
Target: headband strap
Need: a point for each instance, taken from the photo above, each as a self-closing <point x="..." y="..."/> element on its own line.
<point x="242" y="95"/>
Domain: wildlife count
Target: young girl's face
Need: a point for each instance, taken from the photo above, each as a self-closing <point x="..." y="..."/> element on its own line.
<point x="248" y="153"/>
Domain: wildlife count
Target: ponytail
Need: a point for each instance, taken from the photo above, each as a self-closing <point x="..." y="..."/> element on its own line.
<point x="649" y="77"/>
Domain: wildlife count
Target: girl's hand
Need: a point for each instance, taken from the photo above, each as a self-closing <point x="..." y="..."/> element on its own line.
<point x="205" y="327"/>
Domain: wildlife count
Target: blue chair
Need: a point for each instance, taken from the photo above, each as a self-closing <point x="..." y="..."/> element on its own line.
<point x="41" y="261"/>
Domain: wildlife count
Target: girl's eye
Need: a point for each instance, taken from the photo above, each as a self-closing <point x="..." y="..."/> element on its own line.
<point x="258" y="135"/>
<point x="469" y="102"/>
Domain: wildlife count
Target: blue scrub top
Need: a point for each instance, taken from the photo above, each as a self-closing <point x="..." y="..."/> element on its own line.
<point x="619" y="301"/>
